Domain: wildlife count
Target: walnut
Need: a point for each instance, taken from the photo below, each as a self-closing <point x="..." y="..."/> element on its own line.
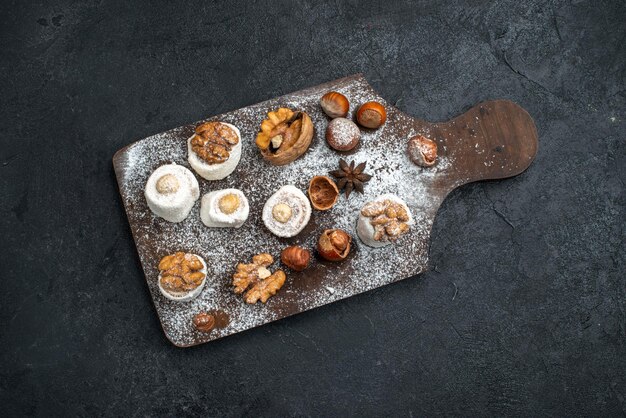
<point x="372" y="209"/>
<point x="213" y="142"/>
<point x="285" y="135"/>
<point x="323" y="192"/>
<point x="388" y="218"/>
<point x="266" y="288"/>
<point x="247" y="274"/>
<point x="394" y="229"/>
<point x="180" y="272"/>
<point x="255" y="277"/>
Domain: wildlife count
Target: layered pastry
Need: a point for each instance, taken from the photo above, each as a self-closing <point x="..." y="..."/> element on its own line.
<point x="287" y="212"/>
<point x="214" y="150"/>
<point x="182" y="276"/>
<point x="285" y="135"/>
<point x="171" y="192"/>
<point x="224" y="208"/>
<point x="384" y="220"/>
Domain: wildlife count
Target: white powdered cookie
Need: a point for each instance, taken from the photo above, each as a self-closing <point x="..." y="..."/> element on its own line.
<point x="389" y="227"/>
<point x="224" y="208"/>
<point x="215" y="171"/>
<point x="171" y="191"/>
<point x="185" y="296"/>
<point x="287" y="212"/>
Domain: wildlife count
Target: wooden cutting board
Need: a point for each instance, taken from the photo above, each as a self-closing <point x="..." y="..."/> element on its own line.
<point x="493" y="140"/>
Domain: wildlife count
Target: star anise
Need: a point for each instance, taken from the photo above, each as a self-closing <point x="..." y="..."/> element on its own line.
<point x="351" y="177"/>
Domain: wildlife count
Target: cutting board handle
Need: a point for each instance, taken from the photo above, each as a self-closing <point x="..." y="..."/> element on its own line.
<point x="493" y="140"/>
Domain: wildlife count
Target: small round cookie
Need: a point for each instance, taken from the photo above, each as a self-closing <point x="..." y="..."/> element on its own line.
<point x="171" y="191"/>
<point x="342" y="134"/>
<point x="214" y="150"/>
<point x="224" y="208"/>
<point x="383" y="220"/>
<point x="287" y="212"/>
<point x="168" y="287"/>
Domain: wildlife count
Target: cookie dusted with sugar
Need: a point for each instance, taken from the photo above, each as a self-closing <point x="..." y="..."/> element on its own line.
<point x="214" y="150"/>
<point x="171" y="191"/>
<point x="383" y="221"/>
<point x="287" y="212"/>
<point x="224" y="208"/>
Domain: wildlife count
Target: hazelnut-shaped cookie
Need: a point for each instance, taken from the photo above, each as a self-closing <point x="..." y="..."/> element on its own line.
<point x="171" y="191"/>
<point x="224" y="208"/>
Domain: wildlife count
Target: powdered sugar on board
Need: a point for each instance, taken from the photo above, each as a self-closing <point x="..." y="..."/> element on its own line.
<point x="366" y="268"/>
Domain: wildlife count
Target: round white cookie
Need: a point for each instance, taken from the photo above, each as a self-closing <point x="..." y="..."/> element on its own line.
<point x="185" y="296"/>
<point x="215" y="171"/>
<point x="224" y="208"/>
<point x="287" y="212"/>
<point x="171" y="191"/>
<point x="365" y="229"/>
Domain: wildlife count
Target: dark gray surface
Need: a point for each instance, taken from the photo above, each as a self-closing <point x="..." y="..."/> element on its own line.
<point x="523" y="314"/>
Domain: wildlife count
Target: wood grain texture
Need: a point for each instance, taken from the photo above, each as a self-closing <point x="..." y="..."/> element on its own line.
<point x="522" y="311"/>
<point x="493" y="140"/>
